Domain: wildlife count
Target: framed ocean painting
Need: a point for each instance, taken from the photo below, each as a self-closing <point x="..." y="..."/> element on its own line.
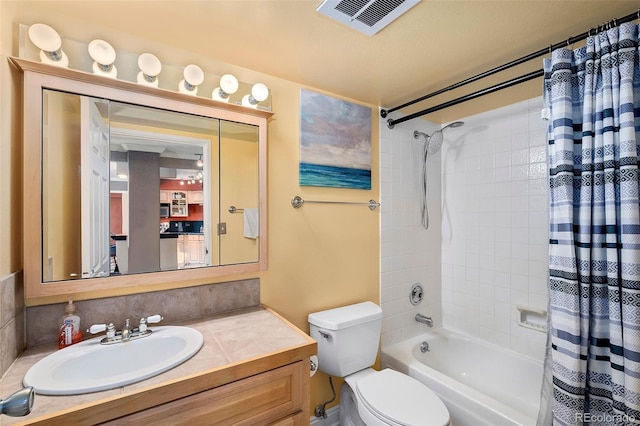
<point x="335" y="142"/>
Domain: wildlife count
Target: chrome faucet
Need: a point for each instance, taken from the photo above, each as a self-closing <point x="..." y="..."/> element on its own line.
<point x="18" y="404"/>
<point x="423" y="319"/>
<point x="127" y="333"/>
<point x="126" y="330"/>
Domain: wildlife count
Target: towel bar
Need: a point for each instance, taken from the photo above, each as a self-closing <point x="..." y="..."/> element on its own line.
<point x="297" y="202"/>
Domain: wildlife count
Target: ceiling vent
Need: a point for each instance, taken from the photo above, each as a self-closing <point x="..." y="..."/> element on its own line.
<point x="366" y="16"/>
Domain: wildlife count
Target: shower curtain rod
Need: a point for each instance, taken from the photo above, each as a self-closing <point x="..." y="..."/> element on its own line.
<point x="497" y="87"/>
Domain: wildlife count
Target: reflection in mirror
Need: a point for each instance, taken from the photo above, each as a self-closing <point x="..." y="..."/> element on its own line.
<point x="126" y="189"/>
<point x="239" y="195"/>
<point x="161" y="203"/>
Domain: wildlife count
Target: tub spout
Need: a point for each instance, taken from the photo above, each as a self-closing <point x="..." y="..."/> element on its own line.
<point x="423" y="319"/>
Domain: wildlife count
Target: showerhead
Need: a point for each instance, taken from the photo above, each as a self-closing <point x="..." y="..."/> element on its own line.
<point x="454" y="125"/>
<point x="434" y="142"/>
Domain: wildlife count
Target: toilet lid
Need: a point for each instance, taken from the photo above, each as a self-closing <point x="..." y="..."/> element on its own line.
<point x="402" y="399"/>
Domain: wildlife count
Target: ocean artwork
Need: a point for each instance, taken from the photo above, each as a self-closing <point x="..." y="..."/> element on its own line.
<point x="335" y="142"/>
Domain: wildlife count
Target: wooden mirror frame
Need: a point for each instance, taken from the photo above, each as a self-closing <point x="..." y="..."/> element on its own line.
<point x="38" y="76"/>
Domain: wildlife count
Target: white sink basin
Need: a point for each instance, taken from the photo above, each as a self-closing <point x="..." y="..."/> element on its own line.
<point x="90" y="367"/>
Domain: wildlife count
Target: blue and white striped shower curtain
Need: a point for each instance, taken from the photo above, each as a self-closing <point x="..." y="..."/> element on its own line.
<point x="592" y="95"/>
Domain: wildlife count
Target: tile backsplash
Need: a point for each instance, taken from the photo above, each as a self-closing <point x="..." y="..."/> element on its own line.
<point x="12" y="341"/>
<point x="174" y="305"/>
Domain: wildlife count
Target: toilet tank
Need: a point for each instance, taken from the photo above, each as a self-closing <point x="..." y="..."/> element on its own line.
<point x="348" y="337"/>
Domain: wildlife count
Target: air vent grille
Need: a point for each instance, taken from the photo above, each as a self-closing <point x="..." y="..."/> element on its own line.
<point x="366" y="16"/>
<point x="351" y="7"/>
<point x="378" y="10"/>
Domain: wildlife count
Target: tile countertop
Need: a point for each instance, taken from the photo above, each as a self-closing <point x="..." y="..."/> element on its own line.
<point x="228" y="338"/>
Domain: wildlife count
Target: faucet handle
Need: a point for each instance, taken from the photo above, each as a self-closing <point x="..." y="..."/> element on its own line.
<point x="154" y="319"/>
<point x="99" y="328"/>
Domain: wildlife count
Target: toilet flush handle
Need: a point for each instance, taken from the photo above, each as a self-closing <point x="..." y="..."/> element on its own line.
<point x="326" y="334"/>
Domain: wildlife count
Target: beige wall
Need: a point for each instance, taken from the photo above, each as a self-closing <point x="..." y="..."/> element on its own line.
<point x="320" y="256"/>
<point x="10" y="155"/>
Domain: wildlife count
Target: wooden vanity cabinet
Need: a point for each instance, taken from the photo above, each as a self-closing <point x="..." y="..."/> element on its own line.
<point x="275" y="397"/>
<point x="270" y="387"/>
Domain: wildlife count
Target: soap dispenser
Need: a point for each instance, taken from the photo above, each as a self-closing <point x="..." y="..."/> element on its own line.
<point x="70" y="331"/>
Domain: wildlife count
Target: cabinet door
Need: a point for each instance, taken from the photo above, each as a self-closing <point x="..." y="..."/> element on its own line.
<point x="181" y="250"/>
<point x="196" y="197"/>
<point x="165" y="196"/>
<point x="265" y="398"/>
<point x="195" y="249"/>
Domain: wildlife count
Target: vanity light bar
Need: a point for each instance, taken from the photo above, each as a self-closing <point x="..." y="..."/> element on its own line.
<point x="103" y="56"/>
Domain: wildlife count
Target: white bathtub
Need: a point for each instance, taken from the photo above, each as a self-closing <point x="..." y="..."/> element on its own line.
<point x="481" y="384"/>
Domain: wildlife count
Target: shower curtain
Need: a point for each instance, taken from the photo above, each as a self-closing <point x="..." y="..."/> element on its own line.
<point x="592" y="95"/>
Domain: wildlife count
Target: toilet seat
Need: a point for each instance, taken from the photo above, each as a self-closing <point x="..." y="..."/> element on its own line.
<point x="398" y="399"/>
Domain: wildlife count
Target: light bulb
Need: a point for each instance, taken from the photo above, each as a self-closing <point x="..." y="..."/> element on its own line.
<point x="45" y="37"/>
<point x="193" y="77"/>
<point x="228" y="86"/>
<point x="150" y="67"/>
<point x="259" y="93"/>
<point x="103" y="55"/>
<point x="49" y="42"/>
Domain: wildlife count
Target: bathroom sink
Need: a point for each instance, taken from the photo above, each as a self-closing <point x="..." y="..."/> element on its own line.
<point x="91" y="367"/>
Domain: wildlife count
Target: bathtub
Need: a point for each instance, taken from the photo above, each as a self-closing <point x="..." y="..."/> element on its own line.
<point x="481" y="384"/>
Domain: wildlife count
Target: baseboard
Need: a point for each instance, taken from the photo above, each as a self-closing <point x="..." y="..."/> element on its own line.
<point x="333" y="418"/>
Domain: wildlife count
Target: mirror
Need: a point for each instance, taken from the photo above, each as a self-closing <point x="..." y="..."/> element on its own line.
<point x="131" y="189"/>
<point x="137" y="185"/>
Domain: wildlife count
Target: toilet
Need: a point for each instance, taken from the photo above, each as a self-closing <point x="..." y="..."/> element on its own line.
<point x="348" y="339"/>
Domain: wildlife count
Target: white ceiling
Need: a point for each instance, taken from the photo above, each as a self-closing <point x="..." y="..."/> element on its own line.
<point x="435" y="44"/>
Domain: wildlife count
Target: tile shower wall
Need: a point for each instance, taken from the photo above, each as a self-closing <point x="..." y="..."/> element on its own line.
<point x="495" y="226"/>
<point x="409" y="253"/>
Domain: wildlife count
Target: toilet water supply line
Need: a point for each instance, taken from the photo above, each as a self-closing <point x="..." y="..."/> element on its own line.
<point x="320" y="408"/>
